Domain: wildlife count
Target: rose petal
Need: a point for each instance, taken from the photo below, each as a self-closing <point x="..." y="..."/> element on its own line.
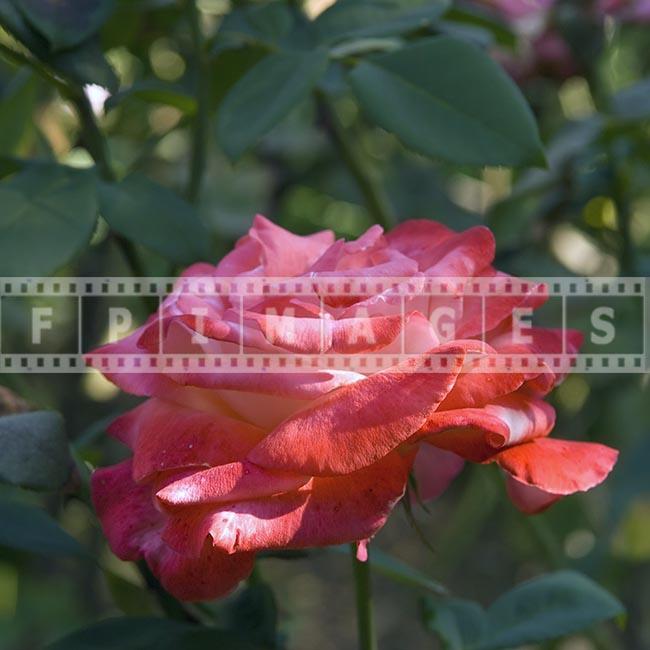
<point x="284" y="253"/>
<point x="434" y="469"/>
<point x="336" y="510"/>
<point x="558" y="466"/>
<point x="165" y="435"/>
<point x="527" y="498"/>
<point x="231" y="482"/>
<point x="475" y="434"/>
<point x="358" y="424"/>
<point x="132" y="526"/>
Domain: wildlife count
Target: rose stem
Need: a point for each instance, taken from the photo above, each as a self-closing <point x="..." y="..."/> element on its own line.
<point x="367" y="638"/>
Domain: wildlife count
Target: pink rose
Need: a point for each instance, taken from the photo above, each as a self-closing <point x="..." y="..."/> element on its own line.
<point x="225" y="464"/>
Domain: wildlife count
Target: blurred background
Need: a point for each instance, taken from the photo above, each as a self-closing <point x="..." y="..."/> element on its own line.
<point x="583" y="68"/>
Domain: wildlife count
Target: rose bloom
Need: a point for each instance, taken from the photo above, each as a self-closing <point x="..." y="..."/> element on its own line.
<point x="227" y="464"/>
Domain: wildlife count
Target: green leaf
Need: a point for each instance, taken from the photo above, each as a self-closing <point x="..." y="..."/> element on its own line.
<point x="481" y="18"/>
<point x="16" y="106"/>
<point x="447" y="99"/>
<point x="228" y="66"/>
<point x="83" y="64"/>
<point x="459" y="624"/>
<point x="544" y="608"/>
<point x="155" y="217"/>
<point x="633" y="102"/>
<point x="268" y="91"/>
<point x="65" y="23"/>
<point x="27" y="528"/>
<point x="347" y="19"/>
<point x="14" y="22"/>
<point x="548" y="607"/>
<point x="48" y="214"/>
<point x="267" y="23"/>
<point x="130" y="598"/>
<point x="86" y="64"/>
<point x="154" y="91"/>
<point x="34" y="450"/>
<point x="396" y="570"/>
<point x="146" y="633"/>
<point x="255" y="613"/>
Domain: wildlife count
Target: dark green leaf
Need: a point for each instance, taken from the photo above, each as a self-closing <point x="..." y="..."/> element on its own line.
<point x="481" y="18"/>
<point x="255" y="613"/>
<point x="228" y="66"/>
<point x="86" y="64"/>
<point x="548" y="607"/>
<point x="267" y="23"/>
<point x="154" y="91"/>
<point x="459" y="624"/>
<point x="265" y="95"/>
<point x="34" y="450"/>
<point x="48" y="214"/>
<point x="16" y="106"/>
<point x="14" y="22"/>
<point x="155" y="217"/>
<point x="147" y="633"/>
<point x="83" y="64"/>
<point x="369" y="18"/>
<point x="27" y="528"/>
<point x="65" y="23"/>
<point x="398" y="571"/>
<point x="130" y="598"/>
<point x="445" y="98"/>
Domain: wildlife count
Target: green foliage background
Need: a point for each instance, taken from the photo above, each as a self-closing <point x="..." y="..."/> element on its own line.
<point x="367" y="112"/>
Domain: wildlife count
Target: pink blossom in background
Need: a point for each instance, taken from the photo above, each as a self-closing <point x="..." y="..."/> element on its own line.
<point x="225" y="465"/>
<point x="632" y="11"/>
<point x="543" y="50"/>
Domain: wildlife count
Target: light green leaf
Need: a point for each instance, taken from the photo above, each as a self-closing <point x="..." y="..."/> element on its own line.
<point x="445" y="98"/>
<point x="266" y="94"/>
<point x="155" y="217"/>
<point x="34" y="450"/>
<point x="548" y="607"/>
<point x="27" y="528"/>
<point x="65" y="23"/>
<point x="48" y="214"/>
